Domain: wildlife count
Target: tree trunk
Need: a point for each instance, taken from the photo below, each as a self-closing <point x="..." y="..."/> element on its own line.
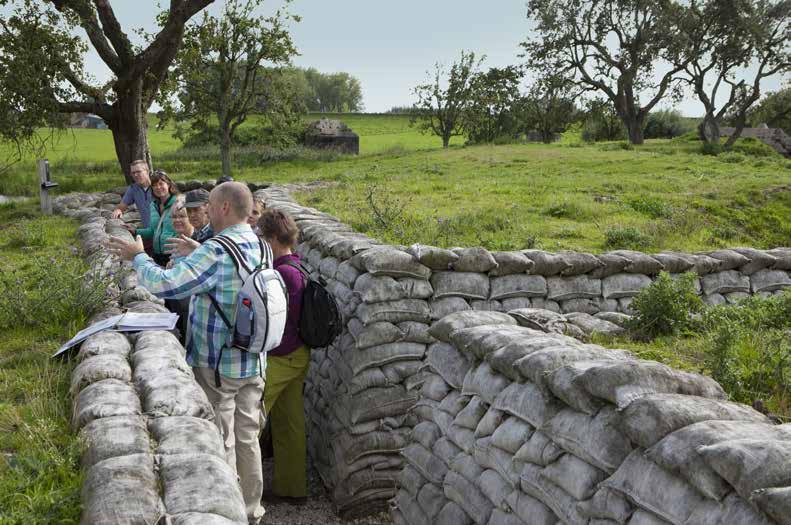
<point x="741" y="122"/>
<point x="709" y="129"/>
<point x="445" y="141"/>
<point x="129" y="125"/>
<point x="225" y="150"/>
<point x="634" y="128"/>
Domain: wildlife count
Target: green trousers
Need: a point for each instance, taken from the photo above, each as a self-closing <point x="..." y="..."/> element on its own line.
<point x="283" y="404"/>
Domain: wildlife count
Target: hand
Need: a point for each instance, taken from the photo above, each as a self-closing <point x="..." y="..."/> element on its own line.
<point x="117" y="213"/>
<point x="125" y="250"/>
<point x="130" y="228"/>
<point x="181" y="245"/>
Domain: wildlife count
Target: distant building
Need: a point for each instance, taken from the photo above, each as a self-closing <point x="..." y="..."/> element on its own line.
<point x="772" y="137"/>
<point x="332" y="134"/>
<point x="86" y="121"/>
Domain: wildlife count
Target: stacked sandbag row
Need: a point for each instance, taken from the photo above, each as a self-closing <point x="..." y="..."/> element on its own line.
<point x="521" y="426"/>
<point x="357" y="394"/>
<point x="151" y="449"/>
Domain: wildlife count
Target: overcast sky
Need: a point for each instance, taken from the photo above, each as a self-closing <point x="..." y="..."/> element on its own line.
<point x="389" y="46"/>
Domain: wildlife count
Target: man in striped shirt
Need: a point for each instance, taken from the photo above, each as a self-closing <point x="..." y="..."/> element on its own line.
<point x="209" y="270"/>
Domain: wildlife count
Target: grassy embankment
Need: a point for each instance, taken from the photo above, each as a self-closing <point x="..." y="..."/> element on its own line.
<point x="43" y="305"/>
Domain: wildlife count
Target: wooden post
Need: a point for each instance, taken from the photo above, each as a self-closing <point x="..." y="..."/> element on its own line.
<point x="45" y="184"/>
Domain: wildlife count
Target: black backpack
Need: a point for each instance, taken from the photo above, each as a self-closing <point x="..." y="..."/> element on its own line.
<point x="320" y="320"/>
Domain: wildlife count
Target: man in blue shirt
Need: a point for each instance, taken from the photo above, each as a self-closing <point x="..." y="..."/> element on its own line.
<point x="138" y="193"/>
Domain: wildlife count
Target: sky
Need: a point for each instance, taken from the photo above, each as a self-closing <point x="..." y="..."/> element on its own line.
<point x="390" y="45"/>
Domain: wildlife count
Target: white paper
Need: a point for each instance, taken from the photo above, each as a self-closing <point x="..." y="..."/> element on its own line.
<point x="133" y="321"/>
<point x="85" y="333"/>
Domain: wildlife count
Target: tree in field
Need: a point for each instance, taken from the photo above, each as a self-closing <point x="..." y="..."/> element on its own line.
<point x="334" y="92"/>
<point x="723" y="38"/>
<point x="492" y="112"/>
<point x="611" y="47"/>
<point x="774" y="110"/>
<point x="444" y="99"/>
<point x="219" y="71"/>
<point x="42" y="70"/>
<point x="549" y="106"/>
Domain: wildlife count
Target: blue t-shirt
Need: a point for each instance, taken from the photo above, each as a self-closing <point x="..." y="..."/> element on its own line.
<point x="141" y="198"/>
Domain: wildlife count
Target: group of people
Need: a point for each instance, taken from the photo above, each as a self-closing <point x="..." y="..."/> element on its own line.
<point x="175" y="259"/>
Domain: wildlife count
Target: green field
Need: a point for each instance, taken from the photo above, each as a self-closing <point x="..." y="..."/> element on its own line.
<point x="405" y="188"/>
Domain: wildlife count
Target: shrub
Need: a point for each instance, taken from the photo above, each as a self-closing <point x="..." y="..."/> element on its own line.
<point x="650" y="206"/>
<point x="665" y="307"/>
<point x="753" y="147"/>
<point x="710" y="148"/>
<point x="666" y="124"/>
<point x="628" y="238"/>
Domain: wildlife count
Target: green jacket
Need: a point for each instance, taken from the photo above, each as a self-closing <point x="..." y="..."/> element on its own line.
<point x="160" y="227"/>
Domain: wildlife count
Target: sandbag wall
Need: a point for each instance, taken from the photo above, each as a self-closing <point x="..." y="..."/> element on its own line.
<point x="151" y="449"/>
<point x="519" y="426"/>
<point x="359" y="390"/>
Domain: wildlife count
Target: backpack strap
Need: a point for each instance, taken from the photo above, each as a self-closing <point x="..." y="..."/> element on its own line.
<point x="304" y="271"/>
<point x="232" y="249"/>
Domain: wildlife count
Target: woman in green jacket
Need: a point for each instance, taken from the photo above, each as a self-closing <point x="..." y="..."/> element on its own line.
<point x="161" y="226"/>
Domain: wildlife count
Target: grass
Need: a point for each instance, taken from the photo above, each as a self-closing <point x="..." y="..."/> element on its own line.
<point x="39" y="457"/>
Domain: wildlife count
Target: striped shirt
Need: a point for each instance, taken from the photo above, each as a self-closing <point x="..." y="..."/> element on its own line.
<point x="208" y="270"/>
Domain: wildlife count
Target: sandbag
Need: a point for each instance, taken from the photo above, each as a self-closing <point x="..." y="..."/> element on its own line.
<point x="201" y="483"/>
<point x="677" y="452"/>
<point x="468" y="497"/>
<point x="415" y="332"/>
<point x="376" y="334"/>
<point x="392" y="262"/>
<point x="574" y="476"/>
<point x="106" y="398"/>
<point x="494" y="487"/>
<point x="539" y="449"/>
<point x="443" y="328"/>
<point x="453" y="514"/>
<point x="98" y="368"/>
<point x="112" y="437"/>
<point x="733" y="509"/>
<point x="377" y="356"/>
<point x="782" y="258"/>
<point x="509" y="263"/>
<point x="650" y="418"/>
<point x="643" y="517"/>
<point x="564" y="383"/>
<point x="611" y="264"/>
<point x="431" y="499"/>
<point x="466" y="465"/>
<point x="121" y="490"/>
<point x="769" y="280"/>
<point x="435" y="388"/>
<point x="104" y="343"/>
<point x="171" y="393"/>
<point x="595" y="439"/>
<point x="730" y="259"/>
<point x="592" y="325"/>
<point x="675" y="262"/>
<point x="377" y="403"/>
<point x="606" y="504"/>
<point x="441" y="308"/>
<point x="433" y="257"/>
<point x="620" y="382"/>
<point x="518" y="285"/>
<point x="505" y="359"/>
<point x="400" y="370"/>
<point x="614" y="318"/>
<point x="445" y="449"/>
<point x="427" y="464"/>
<point x="725" y="282"/>
<point x="584" y="305"/>
<point x="489" y="423"/>
<point x="482" y="340"/>
<point x="776" y="502"/>
<point x="624" y="285"/>
<point x="579" y="263"/>
<point x="377" y="289"/>
<point x="347" y="274"/>
<point x="482" y="381"/>
<point x="368" y="378"/>
<point x="640" y="262"/>
<point x="579" y="286"/>
<point x="759" y="260"/>
<point x="654" y="489"/>
<point x="545" y="263"/>
<point x="411" y="480"/>
<point x="473" y="260"/>
<point x="463" y="438"/>
<point x="512" y="303"/>
<point x="460" y="284"/>
<point x="512" y="434"/>
<point x="199" y="518"/>
<point x="426" y="433"/>
<point x="500" y="517"/>
<point x="491" y="457"/>
<point x="705" y="264"/>
<point x="529" y="509"/>
<point x="538" y="319"/>
<point x="394" y="311"/>
<point x="186" y="435"/>
<point x="472" y="414"/>
<point x="561" y="503"/>
<point x="448" y="362"/>
<point x="527" y="402"/>
<point x="750" y="464"/>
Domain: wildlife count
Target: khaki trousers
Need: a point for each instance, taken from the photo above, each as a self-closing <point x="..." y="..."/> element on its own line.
<point x="285" y="376"/>
<point x="237" y="413"/>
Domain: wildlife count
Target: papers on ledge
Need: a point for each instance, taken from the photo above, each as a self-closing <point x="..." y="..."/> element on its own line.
<point x="128" y="322"/>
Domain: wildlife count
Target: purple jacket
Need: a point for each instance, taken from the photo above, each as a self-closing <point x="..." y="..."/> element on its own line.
<point x="295" y="284"/>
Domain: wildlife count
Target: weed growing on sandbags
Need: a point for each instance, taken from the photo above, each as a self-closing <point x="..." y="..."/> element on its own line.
<point x="665" y="307"/>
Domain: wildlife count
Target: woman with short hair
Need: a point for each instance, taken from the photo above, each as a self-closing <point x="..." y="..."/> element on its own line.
<point x="287" y="366"/>
<point x="161" y="226"/>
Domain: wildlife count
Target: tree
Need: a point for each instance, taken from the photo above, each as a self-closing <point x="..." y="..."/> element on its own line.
<point x="608" y="46"/>
<point x="219" y="73"/>
<point x="601" y="122"/>
<point x="774" y="110"/>
<point x="42" y="70"/>
<point x="442" y="102"/>
<point x="549" y="107"/>
<point x="335" y="92"/>
<point x="723" y="38"/>
<point x="492" y="112"/>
